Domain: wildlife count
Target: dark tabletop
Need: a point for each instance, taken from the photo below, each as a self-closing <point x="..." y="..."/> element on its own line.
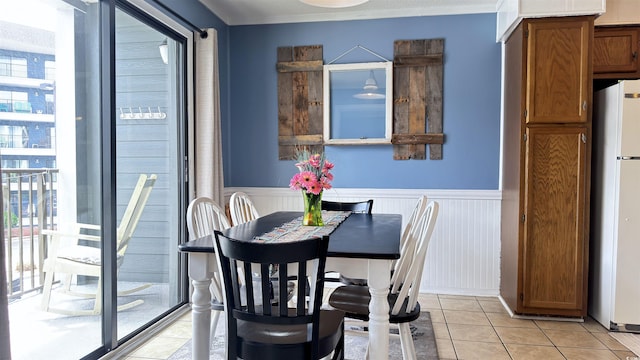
<point x="370" y="236"/>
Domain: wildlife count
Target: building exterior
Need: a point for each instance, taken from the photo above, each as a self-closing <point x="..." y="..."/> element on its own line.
<point x="27" y="98"/>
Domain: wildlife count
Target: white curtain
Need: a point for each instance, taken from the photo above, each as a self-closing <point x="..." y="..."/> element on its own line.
<point x="209" y="179"/>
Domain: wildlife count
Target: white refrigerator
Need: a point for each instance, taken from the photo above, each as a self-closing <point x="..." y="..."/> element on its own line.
<point x="614" y="286"/>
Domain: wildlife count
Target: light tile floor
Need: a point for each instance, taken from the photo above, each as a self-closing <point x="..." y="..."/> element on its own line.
<point x="467" y="327"/>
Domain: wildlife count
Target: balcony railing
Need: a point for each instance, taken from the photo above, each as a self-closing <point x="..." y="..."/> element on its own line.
<point x="29" y="204"/>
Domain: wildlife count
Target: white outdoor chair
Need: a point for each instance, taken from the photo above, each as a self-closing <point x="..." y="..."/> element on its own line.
<point x="403" y="296"/>
<point x="242" y="208"/>
<point x="203" y="217"/>
<point x="79" y="259"/>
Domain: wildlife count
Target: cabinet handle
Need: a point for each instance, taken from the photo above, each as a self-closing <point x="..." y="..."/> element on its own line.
<point x="634" y="56"/>
<point x="584" y="105"/>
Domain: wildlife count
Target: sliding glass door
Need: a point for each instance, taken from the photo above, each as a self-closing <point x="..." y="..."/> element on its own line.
<point x="92" y="144"/>
<point x="148" y="141"/>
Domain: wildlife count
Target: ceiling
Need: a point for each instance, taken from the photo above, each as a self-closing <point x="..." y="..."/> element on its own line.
<point x="249" y="12"/>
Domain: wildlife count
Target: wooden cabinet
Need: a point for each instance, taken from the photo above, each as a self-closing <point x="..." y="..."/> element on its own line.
<point x="557" y="82"/>
<point x="615" y="52"/>
<point x="546" y="167"/>
<point x="554" y="241"/>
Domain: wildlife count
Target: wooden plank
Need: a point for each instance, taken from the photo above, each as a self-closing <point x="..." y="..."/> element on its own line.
<point x="315" y="95"/>
<point x="434" y="97"/>
<point x="401" y="108"/>
<point x="401" y="139"/>
<point x="285" y="102"/>
<point x="417" y="101"/>
<point x="314" y="109"/>
<point x="300" y="140"/>
<point x="417" y="60"/>
<point x="292" y="66"/>
<point x="300" y="103"/>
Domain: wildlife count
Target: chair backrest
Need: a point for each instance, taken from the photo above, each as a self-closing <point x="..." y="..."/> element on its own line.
<point x="247" y="262"/>
<point x="405" y="244"/>
<point x="242" y="208"/>
<point x="406" y="278"/>
<point x="204" y="216"/>
<point x="356" y="207"/>
<point x="133" y="212"/>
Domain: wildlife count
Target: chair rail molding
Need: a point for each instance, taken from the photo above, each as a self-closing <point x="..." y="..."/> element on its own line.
<point x="464" y="252"/>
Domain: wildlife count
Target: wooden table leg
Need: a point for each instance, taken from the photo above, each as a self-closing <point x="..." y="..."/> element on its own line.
<point x="200" y="272"/>
<point x="378" y="280"/>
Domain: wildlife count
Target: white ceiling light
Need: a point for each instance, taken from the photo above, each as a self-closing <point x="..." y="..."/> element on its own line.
<point x="334" y="3"/>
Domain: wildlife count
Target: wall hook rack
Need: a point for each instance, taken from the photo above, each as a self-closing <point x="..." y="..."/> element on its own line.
<point x="142" y="114"/>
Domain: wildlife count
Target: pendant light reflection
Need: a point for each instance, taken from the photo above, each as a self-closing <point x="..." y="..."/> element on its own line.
<point x="370" y="89"/>
<point x="164" y="51"/>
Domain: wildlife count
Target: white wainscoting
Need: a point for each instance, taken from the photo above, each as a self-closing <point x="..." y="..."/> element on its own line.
<point x="464" y="253"/>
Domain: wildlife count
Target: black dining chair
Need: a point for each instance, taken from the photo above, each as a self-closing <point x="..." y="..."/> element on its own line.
<point x="363" y="207"/>
<point x="271" y="329"/>
<point x="356" y="207"/>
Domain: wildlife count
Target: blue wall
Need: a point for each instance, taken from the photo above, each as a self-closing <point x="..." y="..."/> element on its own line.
<point x="471" y="109"/>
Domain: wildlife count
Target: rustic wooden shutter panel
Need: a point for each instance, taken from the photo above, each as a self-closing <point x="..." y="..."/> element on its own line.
<point x="299" y="99"/>
<point x="417" y="99"/>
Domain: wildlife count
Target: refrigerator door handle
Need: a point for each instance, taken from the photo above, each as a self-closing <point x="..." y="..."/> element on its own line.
<point x="628" y="157"/>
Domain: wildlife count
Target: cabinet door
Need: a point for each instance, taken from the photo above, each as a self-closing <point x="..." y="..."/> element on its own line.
<point x="615" y="50"/>
<point x="558" y="70"/>
<point x="553" y="266"/>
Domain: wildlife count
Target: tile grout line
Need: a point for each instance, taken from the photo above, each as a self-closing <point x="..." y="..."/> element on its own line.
<point x="499" y="338"/>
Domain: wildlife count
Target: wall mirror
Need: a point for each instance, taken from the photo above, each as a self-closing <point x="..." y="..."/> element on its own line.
<point x="358" y="103"/>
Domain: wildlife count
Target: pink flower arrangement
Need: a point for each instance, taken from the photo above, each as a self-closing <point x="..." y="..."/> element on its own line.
<point x="314" y="175"/>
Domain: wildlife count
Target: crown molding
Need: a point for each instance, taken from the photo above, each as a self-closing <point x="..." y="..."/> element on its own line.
<point x="278" y="12"/>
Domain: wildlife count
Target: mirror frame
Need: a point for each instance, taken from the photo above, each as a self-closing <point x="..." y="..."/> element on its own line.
<point x="327" y="69"/>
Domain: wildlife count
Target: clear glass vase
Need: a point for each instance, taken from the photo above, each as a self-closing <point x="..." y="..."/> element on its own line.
<point x="312" y="209"/>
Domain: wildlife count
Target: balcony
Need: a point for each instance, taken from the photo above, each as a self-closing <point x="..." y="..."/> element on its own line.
<point x="32" y="151"/>
<point x="29" y="204"/>
<point x="25" y="82"/>
<point x="22" y="117"/>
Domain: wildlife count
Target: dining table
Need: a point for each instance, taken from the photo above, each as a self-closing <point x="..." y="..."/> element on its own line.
<point x="361" y="246"/>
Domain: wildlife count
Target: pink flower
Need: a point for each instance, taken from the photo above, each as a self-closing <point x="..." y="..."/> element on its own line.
<point x="315" y="161"/>
<point x="315" y="188"/>
<point x="294" y="184"/>
<point x="307" y="179"/>
<point x="325" y="182"/>
<point x="301" y="165"/>
<point x="327" y="166"/>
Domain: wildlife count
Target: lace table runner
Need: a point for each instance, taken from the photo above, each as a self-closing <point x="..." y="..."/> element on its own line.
<point x="295" y="231"/>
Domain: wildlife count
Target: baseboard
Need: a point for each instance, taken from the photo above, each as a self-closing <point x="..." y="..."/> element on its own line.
<point x="536" y="317"/>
